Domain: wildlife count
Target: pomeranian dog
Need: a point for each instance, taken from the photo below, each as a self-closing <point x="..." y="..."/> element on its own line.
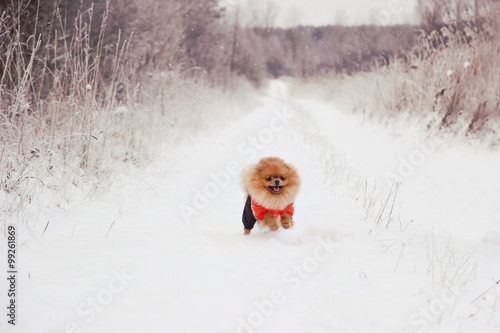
<point x="270" y="187"/>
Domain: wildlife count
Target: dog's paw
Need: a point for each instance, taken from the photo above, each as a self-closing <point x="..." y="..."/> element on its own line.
<point x="269" y="222"/>
<point x="246" y="231"/>
<point x="274" y="226"/>
<point x="286" y="221"/>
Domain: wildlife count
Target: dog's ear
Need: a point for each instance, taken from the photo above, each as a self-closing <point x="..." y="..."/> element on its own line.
<point x="261" y="165"/>
<point x="292" y="172"/>
<point x="289" y="169"/>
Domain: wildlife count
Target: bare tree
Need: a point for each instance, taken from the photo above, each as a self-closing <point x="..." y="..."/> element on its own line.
<point x="434" y="13"/>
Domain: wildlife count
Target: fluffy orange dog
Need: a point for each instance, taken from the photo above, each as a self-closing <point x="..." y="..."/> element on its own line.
<point x="271" y="187"/>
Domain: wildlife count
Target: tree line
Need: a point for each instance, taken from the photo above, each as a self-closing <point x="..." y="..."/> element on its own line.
<point x="200" y="38"/>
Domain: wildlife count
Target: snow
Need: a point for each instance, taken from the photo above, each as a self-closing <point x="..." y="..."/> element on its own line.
<point x="163" y="250"/>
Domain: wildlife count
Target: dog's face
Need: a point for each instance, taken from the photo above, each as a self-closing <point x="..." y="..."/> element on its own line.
<point x="274" y="182"/>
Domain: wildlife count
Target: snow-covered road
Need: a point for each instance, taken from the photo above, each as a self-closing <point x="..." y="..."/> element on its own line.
<point x="395" y="232"/>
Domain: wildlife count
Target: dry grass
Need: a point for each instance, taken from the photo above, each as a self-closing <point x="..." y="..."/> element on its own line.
<point x="65" y="128"/>
<point x="451" y="80"/>
<point x="454" y="75"/>
<point x="56" y="125"/>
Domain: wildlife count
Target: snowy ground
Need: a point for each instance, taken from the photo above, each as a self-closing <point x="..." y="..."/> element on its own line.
<point x="163" y="251"/>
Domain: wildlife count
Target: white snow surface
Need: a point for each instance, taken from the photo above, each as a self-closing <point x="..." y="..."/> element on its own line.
<point x="163" y="250"/>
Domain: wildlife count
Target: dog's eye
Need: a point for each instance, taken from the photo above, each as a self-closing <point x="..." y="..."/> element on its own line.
<point x="269" y="178"/>
<point x="282" y="178"/>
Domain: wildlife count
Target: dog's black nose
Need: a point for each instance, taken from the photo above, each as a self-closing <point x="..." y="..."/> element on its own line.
<point x="277" y="182"/>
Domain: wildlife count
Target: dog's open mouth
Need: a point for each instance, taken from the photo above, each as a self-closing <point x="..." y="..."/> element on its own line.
<point x="275" y="189"/>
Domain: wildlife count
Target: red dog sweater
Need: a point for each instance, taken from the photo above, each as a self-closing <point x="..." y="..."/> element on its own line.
<point x="253" y="211"/>
<point x="260" y="211"/>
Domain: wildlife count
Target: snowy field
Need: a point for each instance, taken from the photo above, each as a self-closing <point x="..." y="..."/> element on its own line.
<point x="396" y="231"/>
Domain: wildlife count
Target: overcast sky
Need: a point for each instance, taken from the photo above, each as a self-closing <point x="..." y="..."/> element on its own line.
<point x="347" y="12"/>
